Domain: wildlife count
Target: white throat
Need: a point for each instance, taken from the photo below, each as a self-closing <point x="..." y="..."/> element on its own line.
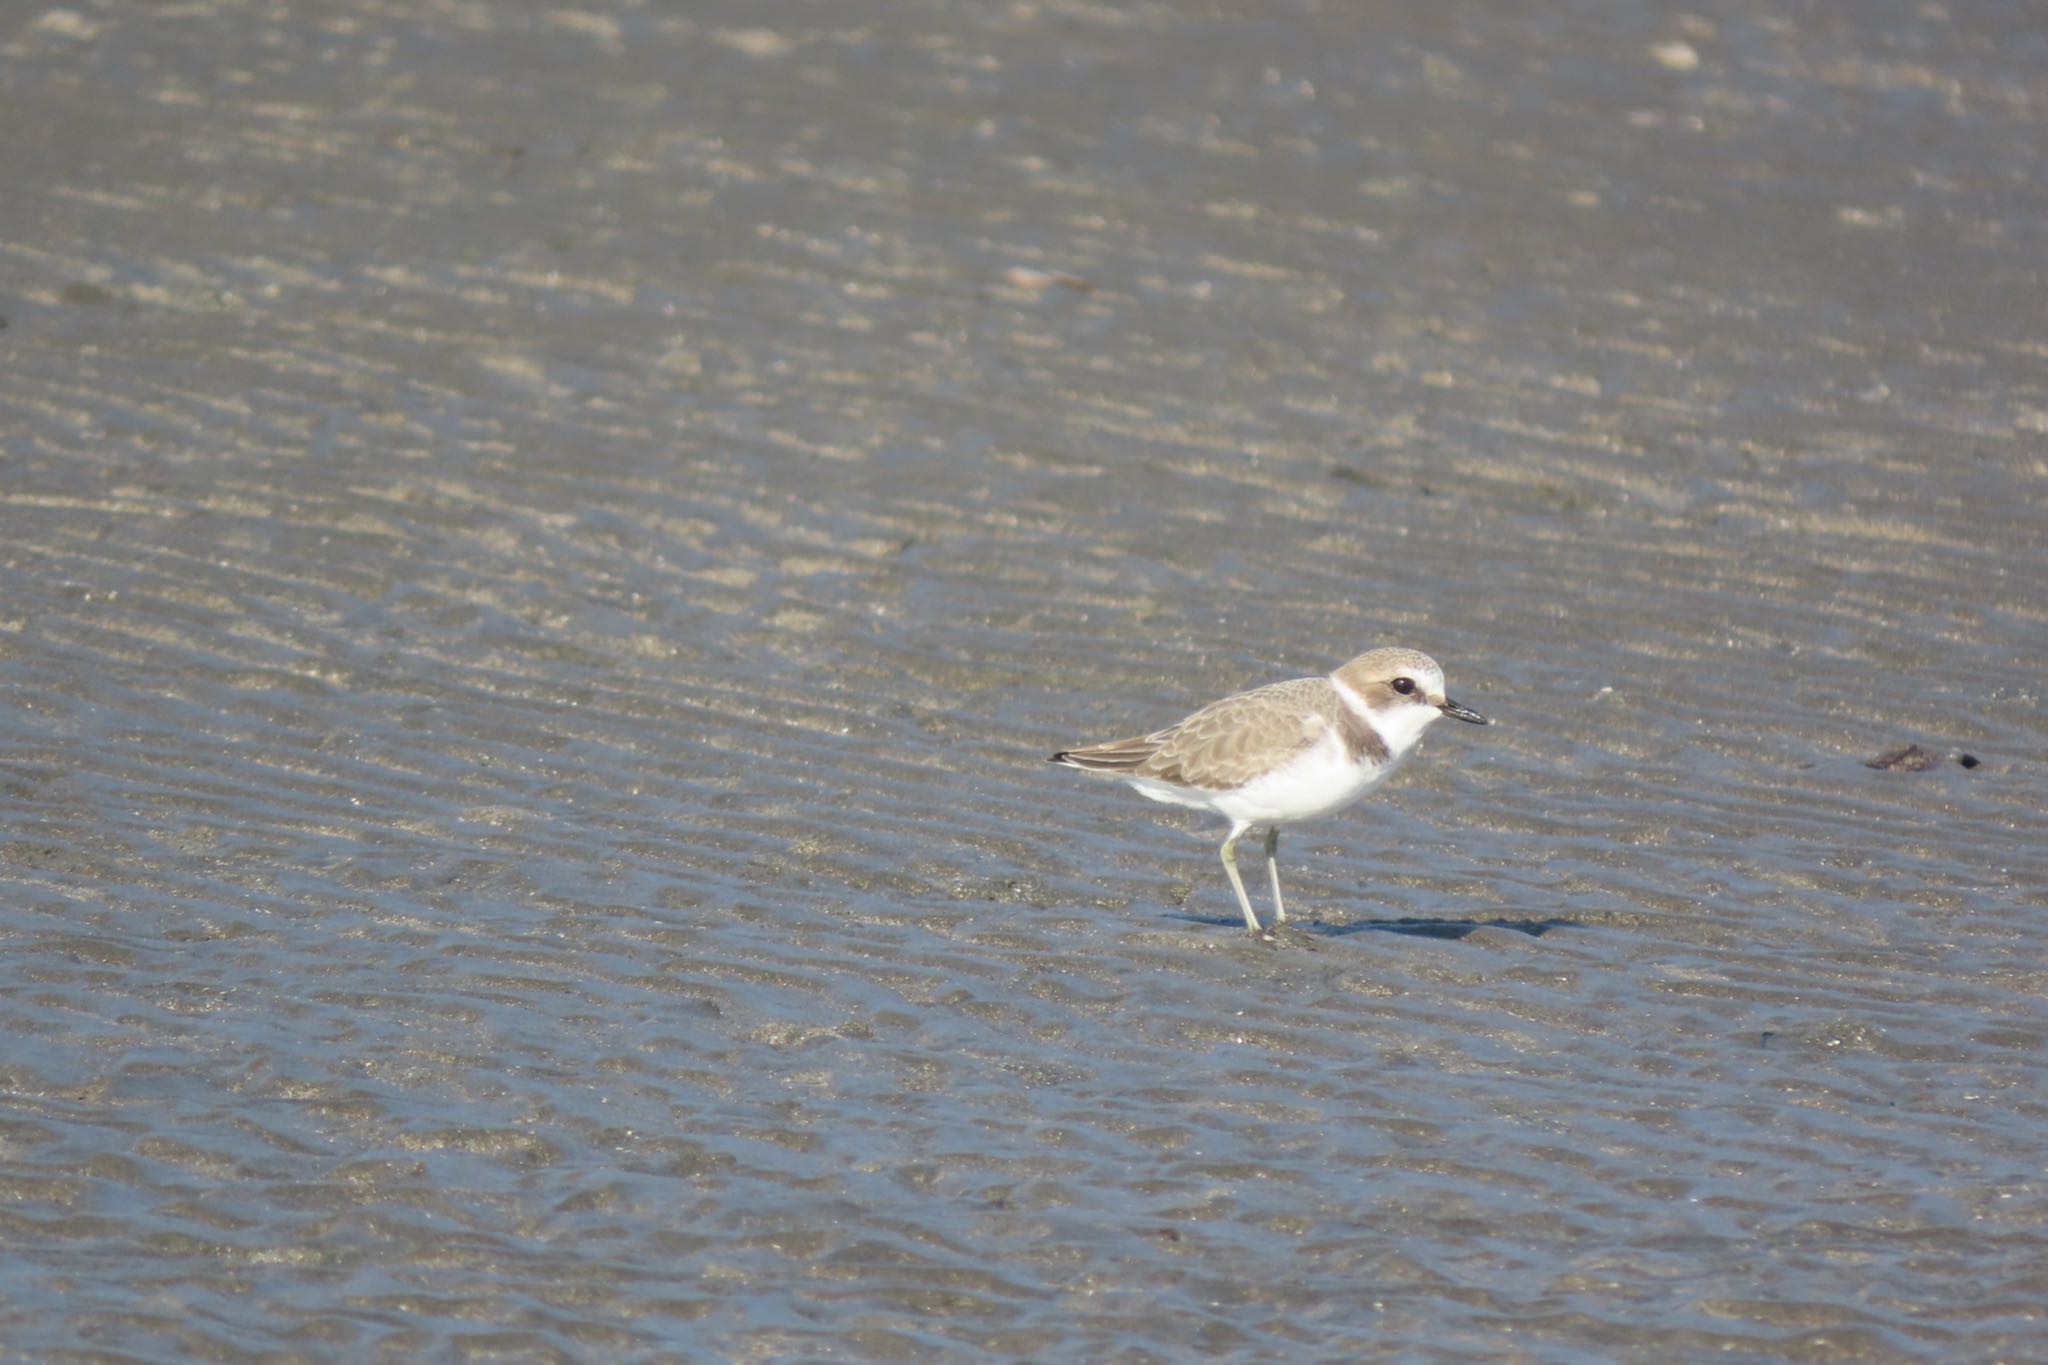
<point x="1400" y="725"/>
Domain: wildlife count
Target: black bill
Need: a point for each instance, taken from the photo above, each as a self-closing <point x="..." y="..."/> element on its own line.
<point x="1457" y="712"/>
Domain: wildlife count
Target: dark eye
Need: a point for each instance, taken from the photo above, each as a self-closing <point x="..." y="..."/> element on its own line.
<point x="1405" y="686"/>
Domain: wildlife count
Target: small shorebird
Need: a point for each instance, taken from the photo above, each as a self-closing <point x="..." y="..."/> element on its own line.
<point x="1284" y="752"/>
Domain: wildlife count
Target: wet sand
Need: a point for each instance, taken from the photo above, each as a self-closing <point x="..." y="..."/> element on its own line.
<point x="545" y="550"/>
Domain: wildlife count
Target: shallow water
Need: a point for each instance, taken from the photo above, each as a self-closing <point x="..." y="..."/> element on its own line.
<point x="544" y="551"/>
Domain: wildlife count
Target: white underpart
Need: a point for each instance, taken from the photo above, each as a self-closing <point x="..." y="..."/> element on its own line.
<point x="1315" y="782"/>
<point x="1318" y="780"/>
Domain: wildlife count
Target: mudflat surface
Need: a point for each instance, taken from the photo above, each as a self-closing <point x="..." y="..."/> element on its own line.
<point x="542" y="552"/>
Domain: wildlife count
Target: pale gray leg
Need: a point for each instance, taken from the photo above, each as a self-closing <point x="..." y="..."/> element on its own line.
<point x="1236" y="882"/>
<point x="1273" y="871"/>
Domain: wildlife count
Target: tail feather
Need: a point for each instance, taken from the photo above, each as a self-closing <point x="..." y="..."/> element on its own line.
<point x="1119" y="756"/>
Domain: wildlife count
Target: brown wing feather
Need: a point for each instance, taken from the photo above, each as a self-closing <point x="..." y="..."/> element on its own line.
<point x="1117" y="756"/>
<point x="1227" y="743"/>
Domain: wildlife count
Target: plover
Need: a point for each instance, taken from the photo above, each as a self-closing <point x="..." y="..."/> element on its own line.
<point x="1284" y="752"/>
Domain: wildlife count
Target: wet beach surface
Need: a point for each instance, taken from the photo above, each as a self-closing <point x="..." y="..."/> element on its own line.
<point x="545" y="551"/>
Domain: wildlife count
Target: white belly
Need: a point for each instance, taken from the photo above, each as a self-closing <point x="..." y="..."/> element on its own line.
<point x="1316" y="782"/>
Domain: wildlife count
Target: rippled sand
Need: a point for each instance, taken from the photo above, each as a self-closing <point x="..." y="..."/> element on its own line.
<point x="542" y="552"/>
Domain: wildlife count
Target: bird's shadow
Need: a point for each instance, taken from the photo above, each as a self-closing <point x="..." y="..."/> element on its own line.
<point x="1429" y="927"/>
<point x="1438" y="928"/>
